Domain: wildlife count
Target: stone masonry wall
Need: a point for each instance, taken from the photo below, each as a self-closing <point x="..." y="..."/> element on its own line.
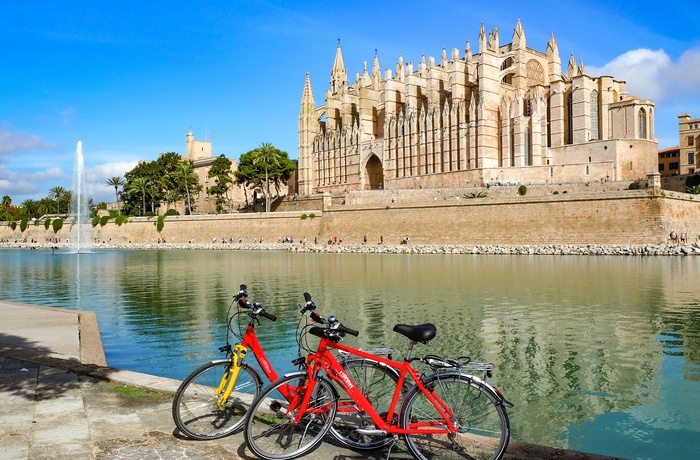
<point x="612" y="218"/>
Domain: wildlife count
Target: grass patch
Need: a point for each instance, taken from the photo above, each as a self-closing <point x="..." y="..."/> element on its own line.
<point x="140" y="394"/>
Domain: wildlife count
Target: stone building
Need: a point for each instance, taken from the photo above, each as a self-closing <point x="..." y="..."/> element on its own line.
<point x="689" y="143"/>
<point x="507" y="114"/>
<point x="200" y="153"/>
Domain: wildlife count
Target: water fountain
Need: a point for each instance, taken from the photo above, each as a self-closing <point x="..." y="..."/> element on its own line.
<point x="81" y="226"/>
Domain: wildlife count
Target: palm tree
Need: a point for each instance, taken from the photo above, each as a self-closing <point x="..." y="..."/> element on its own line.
<point x="44" y="206"/>
<point x="188" y="176"/>
<point x="140" y="186"/>
<point x="30" y="207"/>
<point x="116" y="182"/>
<point x="57" y="193"/>
<point x="6" y="202"/>
<point x="267" y="155"/>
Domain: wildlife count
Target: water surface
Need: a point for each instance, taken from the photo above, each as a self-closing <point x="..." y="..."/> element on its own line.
<point x="599" y="354"/>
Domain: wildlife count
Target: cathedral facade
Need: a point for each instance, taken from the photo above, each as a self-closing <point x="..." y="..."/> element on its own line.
<point x="507" y="114"/>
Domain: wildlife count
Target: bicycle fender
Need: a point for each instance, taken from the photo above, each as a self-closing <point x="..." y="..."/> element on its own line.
<point x="479" y="381"/>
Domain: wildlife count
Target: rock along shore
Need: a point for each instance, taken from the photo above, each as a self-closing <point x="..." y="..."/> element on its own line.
<point x="495" y="249"/>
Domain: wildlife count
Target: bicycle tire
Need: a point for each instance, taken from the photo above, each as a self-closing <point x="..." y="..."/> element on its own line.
<point x="270" y="432"/>
<point x="377" y="383"/>
<point x="195" y="406"/>
<point x="484" y="428"/>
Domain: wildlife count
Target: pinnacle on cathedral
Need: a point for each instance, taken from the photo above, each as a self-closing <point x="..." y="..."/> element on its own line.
<point x="339" y="77"/>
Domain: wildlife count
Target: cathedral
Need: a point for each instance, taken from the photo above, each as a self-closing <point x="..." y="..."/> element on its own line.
<point x="508" y="114"/>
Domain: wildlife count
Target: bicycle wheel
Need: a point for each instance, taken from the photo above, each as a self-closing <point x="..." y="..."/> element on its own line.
<point x="377" y="383"/>
<point x="196" y="409"/>
<point x="269" y="428"/>
<point x="482" y="422"/>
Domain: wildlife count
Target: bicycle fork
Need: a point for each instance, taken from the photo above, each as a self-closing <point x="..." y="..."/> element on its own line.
<point x="231" y="375"/>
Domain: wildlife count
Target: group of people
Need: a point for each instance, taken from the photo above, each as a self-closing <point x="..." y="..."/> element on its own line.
<point x="673" y="237"/>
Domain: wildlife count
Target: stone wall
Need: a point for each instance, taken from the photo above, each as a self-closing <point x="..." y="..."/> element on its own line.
<point x="616" y="217"/>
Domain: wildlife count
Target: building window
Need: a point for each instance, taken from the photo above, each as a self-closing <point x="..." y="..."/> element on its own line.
<point x="642" y="124"/>
<point x="691" y="158"/>
<point x="570" y="119"/>
<point x="527" y="110"/>
<point x="594" y="116"/>
<point x="691" y="141"/>
<point x="661" y="167"/>
<point x="672" y="166"/>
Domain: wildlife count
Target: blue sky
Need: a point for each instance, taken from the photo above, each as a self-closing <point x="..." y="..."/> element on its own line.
<point x="129" y="78"/>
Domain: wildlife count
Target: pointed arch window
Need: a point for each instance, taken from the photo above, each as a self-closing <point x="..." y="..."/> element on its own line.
<point x="528" y="150"/>
<point x="595" y="124"/>
<point x="570" y="118"/>
<point x="642" y="124"/>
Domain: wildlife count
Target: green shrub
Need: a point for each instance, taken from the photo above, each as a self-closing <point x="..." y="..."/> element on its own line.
<point x="522" y="190"/>
<point x="634" y="185"/>
<point x="172" y="212"/>
<point x="476" y="195"/>
<point x="304" y="216"/>
<point x="104" y="220"/>
<point x="47" y="224"/>
<point x="564" y="191"/>
<point x="150" y="214"/>
<point x="160" y="223"/>
<point x="36" y="222"/>
<point x="95" y="221"/>
<point x="13" y="225"/>
<point x="57" y="225"/>
<point x="23" y="224"/>
<point x="312" y="215"/>
<point x="120" y="219"/>
<point x="694" y="189"/>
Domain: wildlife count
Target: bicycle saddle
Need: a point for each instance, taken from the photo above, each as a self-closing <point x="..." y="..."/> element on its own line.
<point x="421" y="333"/>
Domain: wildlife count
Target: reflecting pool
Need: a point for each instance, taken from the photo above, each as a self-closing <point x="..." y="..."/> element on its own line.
<point x="598" y="354"/>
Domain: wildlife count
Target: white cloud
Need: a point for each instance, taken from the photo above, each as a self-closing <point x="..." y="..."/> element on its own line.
<point x="684" y="74"/>
<point x="644" y="70"/>
<point x="652" y="74"/>
<point x="15" y="141"/>
<point x="97" y="176"/>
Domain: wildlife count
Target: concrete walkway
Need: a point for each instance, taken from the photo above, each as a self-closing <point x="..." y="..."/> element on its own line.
<point x="61" y="401"/>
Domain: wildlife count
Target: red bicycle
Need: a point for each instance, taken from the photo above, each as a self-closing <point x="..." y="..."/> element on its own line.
<point x="213" y="400"/>
<point x="448" y="413"/>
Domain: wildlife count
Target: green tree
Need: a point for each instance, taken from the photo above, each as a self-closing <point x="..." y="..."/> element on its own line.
<point x="266" y="155"/>
<point x="31" y="208"/>
<point x="221" y="172"/>
<point x="190" y="181"/>
<point x="6" y="202"/>
<point x="116" y="182"/>
<point x="56" y="193"/>
<point x="140" y="186"/>
<point x="162" y="176"/>
<point x="45" y="206"/>
<point x="694" y="189"/>
<point x="252" y="174"/>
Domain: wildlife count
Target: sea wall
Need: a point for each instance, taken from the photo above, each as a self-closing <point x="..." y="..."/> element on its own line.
<point x="619" y="217"/>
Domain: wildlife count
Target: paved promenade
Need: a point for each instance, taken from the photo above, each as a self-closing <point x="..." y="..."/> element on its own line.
<point x="61" y="401"/>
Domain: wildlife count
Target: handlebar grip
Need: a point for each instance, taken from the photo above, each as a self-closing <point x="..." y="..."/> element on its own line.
<point x="243" y="287"/>
<point x="347" y="330"/>
<point x="269" y="316"/>
<point x="307" y="296"/>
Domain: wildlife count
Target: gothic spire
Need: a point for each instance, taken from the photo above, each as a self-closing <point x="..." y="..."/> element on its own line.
<point x="307" y="98"/>
<point x="581" y="70"/>
<point x="376" y="70"/>
<point x="482" y="38"/>
<point x="339" y="77"/>
<point x="519" y="36"/>
<point x="572" y="66"/>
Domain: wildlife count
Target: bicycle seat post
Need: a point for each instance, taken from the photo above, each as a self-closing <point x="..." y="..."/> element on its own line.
<point x="409" y="351"/>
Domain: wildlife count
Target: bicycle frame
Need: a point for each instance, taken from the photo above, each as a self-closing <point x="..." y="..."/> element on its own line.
<point x="324" y="360"/>
<point x="240" y="350"/>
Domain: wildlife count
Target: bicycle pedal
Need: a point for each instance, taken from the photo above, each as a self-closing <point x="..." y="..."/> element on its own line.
<point x="275" y="406"/>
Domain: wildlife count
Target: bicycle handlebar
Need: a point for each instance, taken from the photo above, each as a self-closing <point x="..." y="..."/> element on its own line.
<point x="257" y="310"/>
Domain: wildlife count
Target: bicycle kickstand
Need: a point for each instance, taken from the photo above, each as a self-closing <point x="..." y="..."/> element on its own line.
<point x="394" y="439"/>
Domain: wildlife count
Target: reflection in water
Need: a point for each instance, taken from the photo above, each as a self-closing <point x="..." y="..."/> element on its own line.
<point x="600" y="354"/>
